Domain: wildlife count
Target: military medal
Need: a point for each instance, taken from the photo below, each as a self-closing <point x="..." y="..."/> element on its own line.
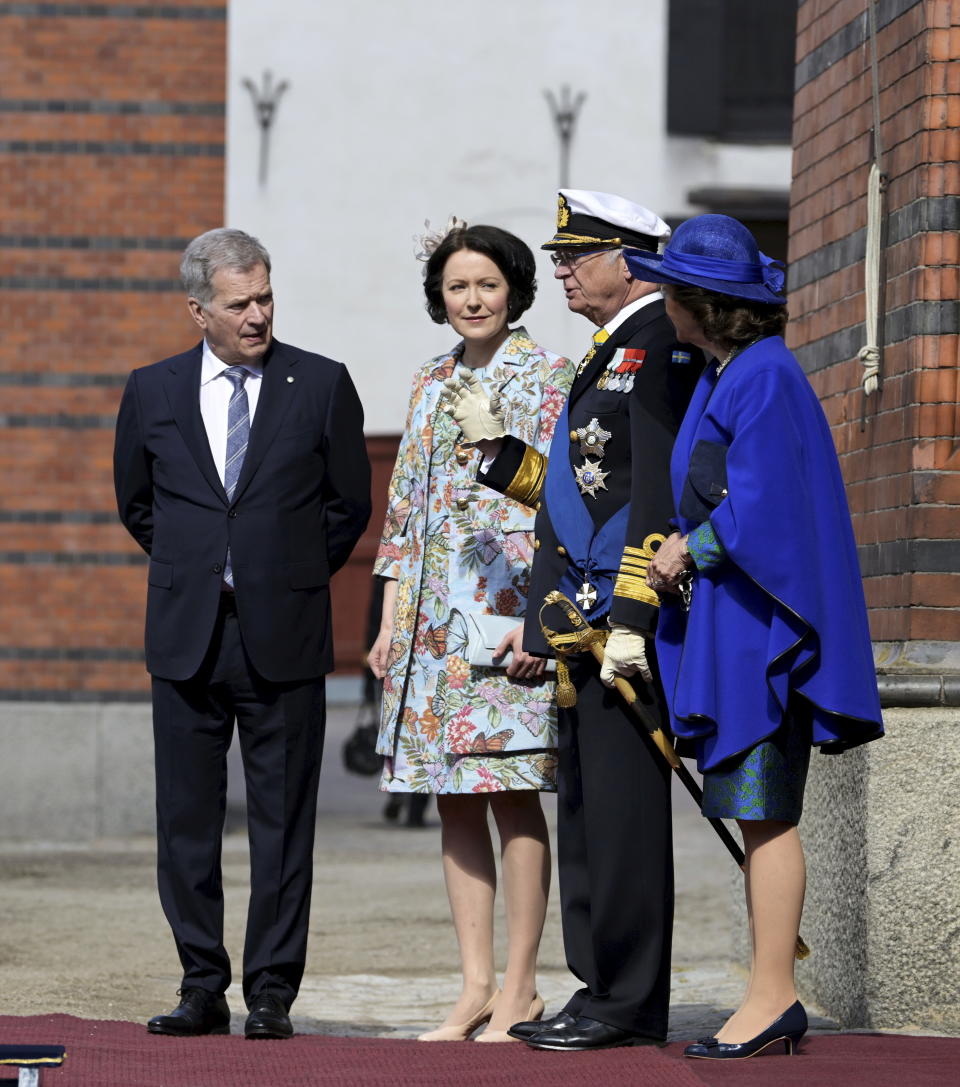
<point x="587" y="596"/>
<point x="593" y="438"/>
<point x="590" y="477"/>
<point x="620" y="371"/>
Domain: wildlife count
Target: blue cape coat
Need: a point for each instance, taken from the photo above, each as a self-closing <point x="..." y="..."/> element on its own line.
<point x="784" y="611"/>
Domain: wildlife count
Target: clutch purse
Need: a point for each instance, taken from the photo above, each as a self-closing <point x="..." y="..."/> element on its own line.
<point x="485" y="633"/>
<point x="706" y="484"/>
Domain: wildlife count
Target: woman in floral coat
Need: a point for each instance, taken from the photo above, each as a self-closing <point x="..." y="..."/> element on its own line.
<point x="480" y="738"/>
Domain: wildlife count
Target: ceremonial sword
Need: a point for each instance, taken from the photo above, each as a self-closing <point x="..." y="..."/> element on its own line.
<point x="587" y="639"/>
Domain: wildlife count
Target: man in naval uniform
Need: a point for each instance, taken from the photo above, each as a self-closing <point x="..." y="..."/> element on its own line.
<point x="604" y="504"/>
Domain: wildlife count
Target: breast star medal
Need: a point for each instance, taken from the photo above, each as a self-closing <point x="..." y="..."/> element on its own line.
<point x="593" y="438"/>
<point x="590" y="477"/>
<point x="587" y="596"/>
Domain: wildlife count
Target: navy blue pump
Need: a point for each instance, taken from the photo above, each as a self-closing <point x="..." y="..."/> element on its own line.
<point x="789" y="1028"/>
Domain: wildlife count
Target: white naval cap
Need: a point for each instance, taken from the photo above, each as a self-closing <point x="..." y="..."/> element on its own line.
<point x="588" y="219"/>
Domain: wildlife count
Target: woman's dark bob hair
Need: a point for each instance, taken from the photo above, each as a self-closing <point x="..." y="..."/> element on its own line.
<point x="508" y="253"/>
<point x="729" y="321"/>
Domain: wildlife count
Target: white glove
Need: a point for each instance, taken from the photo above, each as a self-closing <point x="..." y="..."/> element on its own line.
<point x="478" y="416"/>
<point x="624" y="654"/>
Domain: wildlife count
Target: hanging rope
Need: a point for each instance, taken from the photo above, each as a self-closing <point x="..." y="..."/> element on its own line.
<point x="871" y="354"/>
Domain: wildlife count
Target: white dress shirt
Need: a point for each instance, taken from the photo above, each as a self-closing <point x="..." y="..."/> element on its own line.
<point x="215" y="393"/>
<point x="630" y="309"/>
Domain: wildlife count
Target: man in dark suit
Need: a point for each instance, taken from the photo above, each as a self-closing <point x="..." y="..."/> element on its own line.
<point x="604" y="505"/>
<point x="241" y="469"/>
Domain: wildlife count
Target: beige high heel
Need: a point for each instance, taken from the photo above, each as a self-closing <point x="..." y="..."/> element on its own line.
<point x="535" y="1013"/>
<point x="460" y="1032"/>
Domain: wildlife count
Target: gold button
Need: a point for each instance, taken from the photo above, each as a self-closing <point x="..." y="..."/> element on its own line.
<point x="462" y="503"/>
<point x="536" y="545"/>
<point x="462" y="458"/>
<point x="561" y="550"/>
<point x="573" y="435"/>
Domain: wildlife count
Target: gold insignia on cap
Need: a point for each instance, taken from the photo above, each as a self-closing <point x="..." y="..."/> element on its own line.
<point x="563" y="212"/>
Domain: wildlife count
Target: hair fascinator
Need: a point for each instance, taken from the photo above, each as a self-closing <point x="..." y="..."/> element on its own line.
<point x="428" y="242"/>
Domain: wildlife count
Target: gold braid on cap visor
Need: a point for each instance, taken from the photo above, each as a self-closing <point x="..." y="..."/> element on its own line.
<point x="562" y="240"/>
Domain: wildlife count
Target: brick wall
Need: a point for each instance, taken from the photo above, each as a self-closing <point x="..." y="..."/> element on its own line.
<point x="899" y="449"/>
<point x="111" y="159"/>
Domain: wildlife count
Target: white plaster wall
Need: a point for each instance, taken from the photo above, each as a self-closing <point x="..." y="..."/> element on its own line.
<point x="412" y="109"/>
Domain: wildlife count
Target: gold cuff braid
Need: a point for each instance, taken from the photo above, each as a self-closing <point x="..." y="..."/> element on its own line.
<point x="635" y="588"/>
<point x="526" y="485"/>
<point x="632" y="580"/>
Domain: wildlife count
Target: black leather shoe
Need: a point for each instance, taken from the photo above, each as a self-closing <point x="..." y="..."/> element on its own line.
<point x="584" y="1033"/>
<point x="526" y="1030"/>
<point x="268" y="1018"/>
<point x="199" y="1012"/>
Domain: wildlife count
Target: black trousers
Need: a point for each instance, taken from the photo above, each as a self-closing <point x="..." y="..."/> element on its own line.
<point x="281" y="729"/>
<point x="615" y="857"/>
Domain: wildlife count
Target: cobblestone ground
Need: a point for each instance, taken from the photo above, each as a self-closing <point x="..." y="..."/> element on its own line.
<point x="81" y="931"/>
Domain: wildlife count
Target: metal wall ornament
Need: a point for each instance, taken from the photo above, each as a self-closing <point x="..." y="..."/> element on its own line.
<point x="565" y="112"/>
<point x="265" y="101"/>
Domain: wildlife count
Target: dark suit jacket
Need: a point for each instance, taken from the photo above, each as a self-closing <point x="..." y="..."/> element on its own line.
<point x="301" y="503"/>
<point x="643" y="424"/>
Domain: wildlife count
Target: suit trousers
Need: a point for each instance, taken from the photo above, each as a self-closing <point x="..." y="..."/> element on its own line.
<point x="614" y="857"/>
<point x="281" y="728"/>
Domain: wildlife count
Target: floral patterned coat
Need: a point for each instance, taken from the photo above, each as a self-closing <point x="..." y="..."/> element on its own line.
<point x="456" y="547"/>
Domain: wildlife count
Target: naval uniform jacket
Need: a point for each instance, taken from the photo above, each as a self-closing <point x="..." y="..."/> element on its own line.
<point x="642" y="422"/>
<point x="613" y="789"/>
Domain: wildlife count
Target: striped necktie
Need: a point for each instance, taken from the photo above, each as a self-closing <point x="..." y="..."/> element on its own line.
<point x="599" y="337"/>
<point x="238" y="434"/>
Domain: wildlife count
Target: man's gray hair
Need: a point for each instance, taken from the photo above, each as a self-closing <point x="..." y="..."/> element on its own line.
<point x="220" y="248"/>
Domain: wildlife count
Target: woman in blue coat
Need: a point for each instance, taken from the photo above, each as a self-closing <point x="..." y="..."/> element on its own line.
<point x="762" y="638"/>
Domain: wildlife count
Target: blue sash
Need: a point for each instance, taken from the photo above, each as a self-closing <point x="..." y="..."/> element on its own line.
<point x="592" y="555"/>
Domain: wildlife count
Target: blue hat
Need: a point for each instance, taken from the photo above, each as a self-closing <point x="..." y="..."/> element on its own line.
<point x="714" y="252"/>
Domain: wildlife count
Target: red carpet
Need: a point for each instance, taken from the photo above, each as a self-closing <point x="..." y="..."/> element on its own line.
<point x="108" y="1054"/>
